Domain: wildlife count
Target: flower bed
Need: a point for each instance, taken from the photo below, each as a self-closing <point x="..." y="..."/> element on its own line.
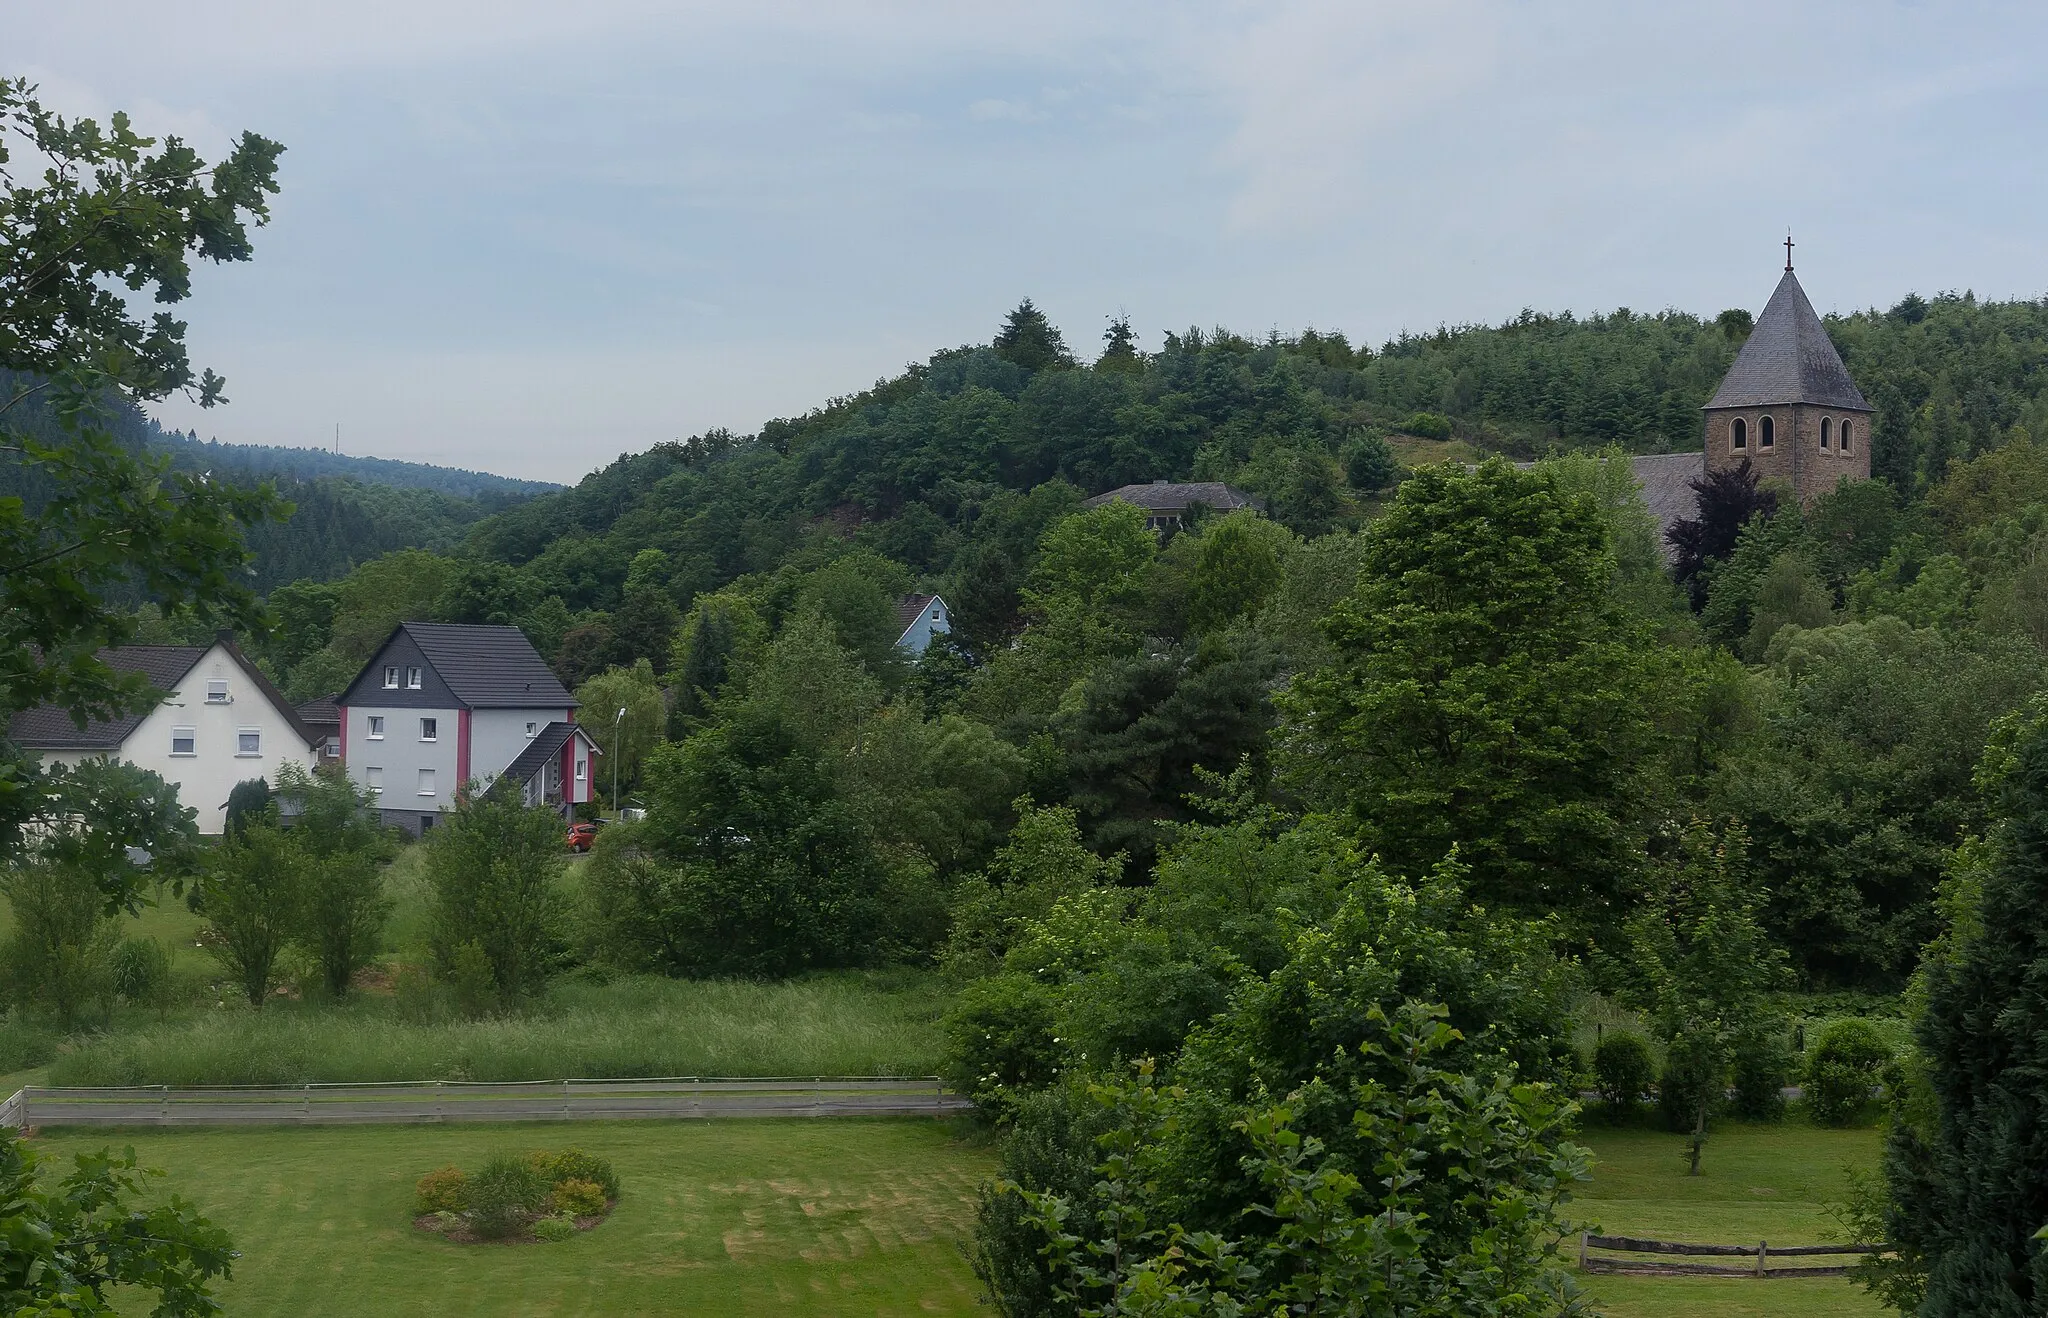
<point x="545" y="1196"/>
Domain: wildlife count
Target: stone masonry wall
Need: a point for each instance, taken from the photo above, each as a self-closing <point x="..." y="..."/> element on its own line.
<point x="1796" y="458"/>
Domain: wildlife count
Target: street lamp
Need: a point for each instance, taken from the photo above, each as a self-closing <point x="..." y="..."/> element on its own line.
<point x="615" y="759"/>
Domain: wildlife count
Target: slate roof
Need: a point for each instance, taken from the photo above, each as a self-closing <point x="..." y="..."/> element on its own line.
<point x="1788" y="359"/>
<point x="488" y="667"/>
<point x="49" y="728"/>
<point x="1175" y="497"/>
<point x="546" y="745"/>
<point x="1666" y="479"/>
<point x="322" y="711"/>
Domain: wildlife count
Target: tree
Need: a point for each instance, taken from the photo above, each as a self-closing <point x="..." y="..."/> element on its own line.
<point x="60" y="954"/>
<point x="72" y="1244"/>
<point x="495" y="869"/>
<point x="1488" y="693"/>
<point x="775" y="872"/>
<point x="108" y="208"/>
<point x="1964" y="1165"/>
<point x="1369" y="463"/>
<point x="1726" y="499"/>
<point x="119" y="823"/>
<point x="343" y="906"/>
<point x="1236" y="569"/>
<point x="1029" y="339"/>
<point x="248" y="802"/>
<point x="252" y="894"/>
<point x="722" y="635"/>
<point x="1120" y="348"/>
<point x="1706" y="966"/>
<point x="623" y="743"/>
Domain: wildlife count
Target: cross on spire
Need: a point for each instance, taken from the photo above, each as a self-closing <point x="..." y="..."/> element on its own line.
<point x="1788" y="249"/>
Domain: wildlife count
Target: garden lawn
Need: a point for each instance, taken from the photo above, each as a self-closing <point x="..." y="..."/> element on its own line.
<point x="1756" y="1182"/>
<point x="816" y="1217"/>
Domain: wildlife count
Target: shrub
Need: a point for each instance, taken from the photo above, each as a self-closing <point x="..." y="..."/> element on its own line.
<point x="1623" y="1070"/>
<point x="1369" y="463"/>
<point x="554" y="1229"/>
<point x="446" y="1221"/>
<point x="443" y="1190"/>
<point x="579" y="1198"/>
<point x="142" y="972"/>
<point x="506" y="1195"/>
<point x="1842" y="1071"/>
<point x="1691" y="1073"/>
<point x="576" y="1165"/>
<point x="1428" y="425"/>
<point x="1763" y="1068"/>
<point x="1000" y="1039"/>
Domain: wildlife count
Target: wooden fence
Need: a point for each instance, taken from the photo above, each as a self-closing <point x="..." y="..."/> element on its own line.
<point x="431" y="1101"/>
<point x="1759" y="1256"/>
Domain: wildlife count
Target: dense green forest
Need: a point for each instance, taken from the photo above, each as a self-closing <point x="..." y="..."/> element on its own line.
<point x="347" y="510"/>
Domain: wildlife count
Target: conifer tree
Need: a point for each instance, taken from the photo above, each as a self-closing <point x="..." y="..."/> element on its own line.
<point x="1967" y="1164"/>
<point x="1029" y="339"/>
<point x="1119" y="348"/>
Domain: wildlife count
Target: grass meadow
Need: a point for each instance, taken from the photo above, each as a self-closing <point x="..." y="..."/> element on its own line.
<point x="1756" y="1182"/>
<point x="800" y="1217"/>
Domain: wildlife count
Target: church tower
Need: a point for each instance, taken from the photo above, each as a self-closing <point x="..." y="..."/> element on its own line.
<point x="1788" y="404"/>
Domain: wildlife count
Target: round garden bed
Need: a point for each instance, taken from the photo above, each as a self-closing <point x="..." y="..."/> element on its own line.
<point x="542" y="1197"/>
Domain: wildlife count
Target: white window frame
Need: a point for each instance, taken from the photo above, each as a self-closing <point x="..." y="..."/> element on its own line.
<point x="414" y="676"/>
<point x="373" y="779"/>
<point x="332" y="748"/>
<point x="581" y="764"/>
<point x="391" y="677"/>
<point x="430" y="729"/>
<point x="532" y="729"/>
<point x="243" y="751"/>
<point x="190" y="736"/>
<point x="217" y="691"/>
<point x="427" y="783"/>
<point x="376" y="726"/>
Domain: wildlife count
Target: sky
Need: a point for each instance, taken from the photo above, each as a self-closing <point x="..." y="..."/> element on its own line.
<point x="526" y="236"/>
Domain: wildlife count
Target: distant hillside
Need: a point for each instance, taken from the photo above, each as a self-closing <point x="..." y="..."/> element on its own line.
<point x="310" y="464"/>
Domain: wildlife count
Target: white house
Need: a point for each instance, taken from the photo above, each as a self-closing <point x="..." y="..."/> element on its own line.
<point x="220" y="722"/>
<point x="919" y="618"/>
<point x="444" y="705"/>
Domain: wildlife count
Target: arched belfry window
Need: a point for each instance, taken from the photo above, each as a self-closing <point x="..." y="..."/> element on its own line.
<point x="1845" y="435"/>
<point x="1766" y="433"/>
<point x="1827" y="432"/>
<point x="1738" y="434"/>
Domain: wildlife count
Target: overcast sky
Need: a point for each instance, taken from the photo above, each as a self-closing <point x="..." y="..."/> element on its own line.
<point x="528" y="235"/>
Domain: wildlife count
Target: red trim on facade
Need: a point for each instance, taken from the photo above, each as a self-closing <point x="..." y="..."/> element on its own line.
<point x="461" y="748"/>
<point x="344" y="732"/>
<point x="568" y="771"/>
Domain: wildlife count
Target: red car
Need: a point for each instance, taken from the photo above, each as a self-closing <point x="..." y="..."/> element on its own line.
<point x="581" y="836"/>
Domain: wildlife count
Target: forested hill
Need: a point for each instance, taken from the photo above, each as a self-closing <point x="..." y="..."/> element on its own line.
<point x="929" y="467"/>
<point x="348" y="510"/>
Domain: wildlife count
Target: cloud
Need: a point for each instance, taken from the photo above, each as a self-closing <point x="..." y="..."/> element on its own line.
<point x="984" y="111"/>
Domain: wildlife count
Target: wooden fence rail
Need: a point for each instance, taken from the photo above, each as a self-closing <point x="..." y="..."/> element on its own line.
<point x="1760" y="1255"/>
<point x="432" y="1101"/>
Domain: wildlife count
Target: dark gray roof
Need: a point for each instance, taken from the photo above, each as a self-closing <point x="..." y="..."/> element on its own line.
<point x="47" y="727"/>
<point x="488" y="667"/>
<point x="1172" y="497"/>
<point x="322" y="711"/>
<point x="546" y="745"/>
<point x="1788" y="359"/>
<point x="1666" y="479"/>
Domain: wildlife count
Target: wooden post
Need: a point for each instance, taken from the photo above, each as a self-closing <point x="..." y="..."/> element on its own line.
<point x="1762" y="1252"/>
<point x="1582" y="1250"/>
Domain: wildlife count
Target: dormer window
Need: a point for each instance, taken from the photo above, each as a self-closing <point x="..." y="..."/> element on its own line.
<point x="1827" y="433"/>
<point x="391" y="677"/>
<point x="1766" y="433"/>
<point x="412" y="678"/>
<point x="1845" y="436"/>
<point x="1738" y="434"/>
<point x="217" y="691"/>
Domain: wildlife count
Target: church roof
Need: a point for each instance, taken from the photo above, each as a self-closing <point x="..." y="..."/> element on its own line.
<point x="1788" y="359"/>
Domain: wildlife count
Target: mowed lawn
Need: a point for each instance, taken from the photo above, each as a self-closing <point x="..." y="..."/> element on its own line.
<point x="826" y="1217"/>
<point x="1756" y="1182"/>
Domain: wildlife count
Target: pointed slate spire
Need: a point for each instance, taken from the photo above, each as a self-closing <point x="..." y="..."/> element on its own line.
<point x="1788" y="359"/>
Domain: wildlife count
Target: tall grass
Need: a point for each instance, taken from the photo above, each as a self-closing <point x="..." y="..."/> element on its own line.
<point x="822" y="1025"/>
